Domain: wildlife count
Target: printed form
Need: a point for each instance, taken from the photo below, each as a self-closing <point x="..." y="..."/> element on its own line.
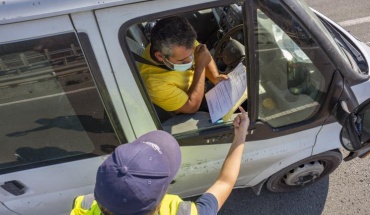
<point x="225" y="97"/>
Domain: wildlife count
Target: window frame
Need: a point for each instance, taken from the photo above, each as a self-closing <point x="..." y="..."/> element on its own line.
<point x="136" y="74"/>
<point x="331" y="89"/>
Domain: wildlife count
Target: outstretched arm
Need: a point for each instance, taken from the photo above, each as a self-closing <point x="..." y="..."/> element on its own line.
<point x="225" y="182"/>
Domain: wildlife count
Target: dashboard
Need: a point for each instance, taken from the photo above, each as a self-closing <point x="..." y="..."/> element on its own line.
<point x="228" y="16"/>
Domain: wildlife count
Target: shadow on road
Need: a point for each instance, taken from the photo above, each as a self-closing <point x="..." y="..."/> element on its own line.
<point x="308" y="201"/>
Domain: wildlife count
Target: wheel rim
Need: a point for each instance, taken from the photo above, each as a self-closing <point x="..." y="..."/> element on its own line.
<point x="304" y="173"/>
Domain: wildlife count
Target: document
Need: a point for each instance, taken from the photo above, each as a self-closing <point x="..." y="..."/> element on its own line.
<point x="228" y="95"/>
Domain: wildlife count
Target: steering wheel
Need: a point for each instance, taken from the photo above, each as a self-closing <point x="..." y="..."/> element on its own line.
<point x="224" y="40"/>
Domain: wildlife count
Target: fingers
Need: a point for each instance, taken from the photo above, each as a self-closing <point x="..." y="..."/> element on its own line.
<point x="242" y="110"/>
<point x="222" y="77"/>
<point x="225" y="77"/>
<point x="198" y="47"/>
<point x="201" y="47"/>
<point x="243" y="118"/>
<point x="236" y="121"/>
<point x="202" y="50"/>
<point x="202" y="56"/>
<point x="219" y="78"/>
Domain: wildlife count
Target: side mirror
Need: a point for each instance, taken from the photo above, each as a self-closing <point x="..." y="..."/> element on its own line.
<point x="355" y="134"/>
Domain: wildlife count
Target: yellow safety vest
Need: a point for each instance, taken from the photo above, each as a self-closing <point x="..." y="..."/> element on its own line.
<point x="170" y="205"/>
<point x="174" y="205"/>
<point x="85" y="206"/>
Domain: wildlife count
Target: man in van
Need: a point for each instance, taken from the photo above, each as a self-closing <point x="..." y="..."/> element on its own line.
<point x="135" y="178"/>
<point x="175" y="79"/>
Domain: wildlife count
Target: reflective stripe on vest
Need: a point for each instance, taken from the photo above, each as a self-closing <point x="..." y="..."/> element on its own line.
<point x="170" y="205"/>
<point x="184" y="208"/>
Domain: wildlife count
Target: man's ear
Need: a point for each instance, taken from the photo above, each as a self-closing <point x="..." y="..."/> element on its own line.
<point x="159" y="56"/>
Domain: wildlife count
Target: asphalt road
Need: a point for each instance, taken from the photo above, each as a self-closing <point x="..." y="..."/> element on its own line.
<point x="347" y="190"/>
<point x="353" y="15"/>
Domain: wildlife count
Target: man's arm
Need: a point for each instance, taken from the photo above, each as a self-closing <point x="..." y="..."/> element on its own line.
<point x="202" y="57"/>
<point x="212" y="73"/>
<point x="225" y="182"/>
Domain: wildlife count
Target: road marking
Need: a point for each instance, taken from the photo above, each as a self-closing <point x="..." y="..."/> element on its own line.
<point x="48" y="96"/>
<point x="355" y="21"/>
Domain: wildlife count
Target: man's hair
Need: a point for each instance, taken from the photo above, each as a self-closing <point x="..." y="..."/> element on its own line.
<point x="170" y="32"/>
<point x="104" y="211"/>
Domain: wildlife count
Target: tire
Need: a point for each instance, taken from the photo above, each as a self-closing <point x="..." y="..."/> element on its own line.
<point x="304" y="172"/>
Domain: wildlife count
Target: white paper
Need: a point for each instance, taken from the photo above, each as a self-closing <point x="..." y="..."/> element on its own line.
<point x="225" y="95"/>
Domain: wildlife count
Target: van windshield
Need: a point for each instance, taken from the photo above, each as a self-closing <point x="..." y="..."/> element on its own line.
<point x="323" y="29"/>
<point x="348" y="51"/>
<point x="353" y="55"/>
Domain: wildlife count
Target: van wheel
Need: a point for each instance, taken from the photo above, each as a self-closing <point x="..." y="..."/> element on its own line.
<point x="304" y="172"/>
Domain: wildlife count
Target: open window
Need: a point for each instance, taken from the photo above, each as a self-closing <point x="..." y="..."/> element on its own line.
<point x="221" y="29"/>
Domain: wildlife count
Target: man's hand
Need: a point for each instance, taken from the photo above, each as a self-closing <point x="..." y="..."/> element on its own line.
<point x="202" y="57"/>
<point x="219" y="78"/>
<point x="241" y="124"/>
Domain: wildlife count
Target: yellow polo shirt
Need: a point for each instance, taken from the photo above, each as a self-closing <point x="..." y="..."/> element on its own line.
<point x="167" y="89"/>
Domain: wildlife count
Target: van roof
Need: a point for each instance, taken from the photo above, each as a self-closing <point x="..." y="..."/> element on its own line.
<point x="21" y="10"/>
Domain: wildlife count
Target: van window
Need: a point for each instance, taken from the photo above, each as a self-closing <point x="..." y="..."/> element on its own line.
<point x="210" y="24"/>
<point x="50" y="106"/>
<point x="294" y="71"/>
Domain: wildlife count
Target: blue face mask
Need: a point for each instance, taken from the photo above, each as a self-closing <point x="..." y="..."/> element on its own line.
<point x="179" y="67"/>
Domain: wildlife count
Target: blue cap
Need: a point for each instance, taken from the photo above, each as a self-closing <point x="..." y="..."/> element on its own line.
<point x="135" y="178"/>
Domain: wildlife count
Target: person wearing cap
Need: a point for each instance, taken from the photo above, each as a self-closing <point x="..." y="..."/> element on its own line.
<point x="175" y="77"/>
<point x="135" y="178"/>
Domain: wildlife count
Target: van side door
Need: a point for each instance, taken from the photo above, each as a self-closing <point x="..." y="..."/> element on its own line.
<point x="55" y="130"/>
<point x="204" y="145"/>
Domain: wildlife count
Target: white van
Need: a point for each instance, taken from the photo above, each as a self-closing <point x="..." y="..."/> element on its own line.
<point x="70" y="92"/>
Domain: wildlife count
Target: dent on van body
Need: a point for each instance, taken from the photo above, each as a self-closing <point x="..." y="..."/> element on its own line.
<point x="328" y="138"/>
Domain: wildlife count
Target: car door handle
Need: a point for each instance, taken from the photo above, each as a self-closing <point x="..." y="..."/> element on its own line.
<point x="14" y="187"/>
